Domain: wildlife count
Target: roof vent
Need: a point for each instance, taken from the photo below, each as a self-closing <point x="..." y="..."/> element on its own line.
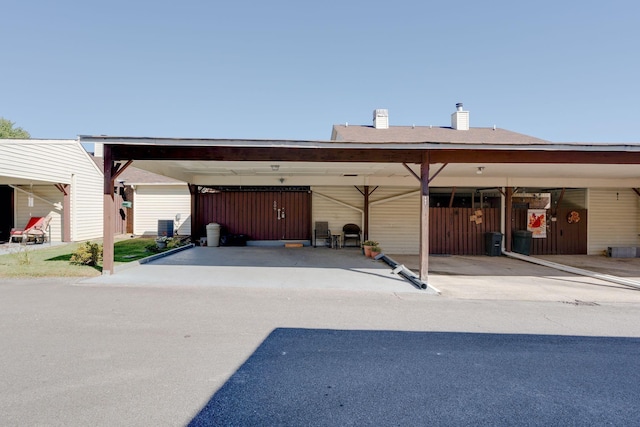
<point x="460" y="119"/>
<point x="381" y="119"/>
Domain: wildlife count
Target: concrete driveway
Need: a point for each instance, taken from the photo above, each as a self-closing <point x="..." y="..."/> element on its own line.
<point x="461" y="277"/>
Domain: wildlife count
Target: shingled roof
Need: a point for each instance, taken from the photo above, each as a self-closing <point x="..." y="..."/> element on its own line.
<point x="433" y="134"/>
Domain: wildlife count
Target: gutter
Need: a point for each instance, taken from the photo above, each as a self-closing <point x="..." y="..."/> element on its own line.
<point x="574" y="270"/>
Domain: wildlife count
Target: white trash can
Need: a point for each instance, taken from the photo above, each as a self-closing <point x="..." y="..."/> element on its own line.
<point x="213" y="234"/>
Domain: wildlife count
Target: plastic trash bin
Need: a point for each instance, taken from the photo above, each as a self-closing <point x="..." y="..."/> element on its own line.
<point x="213" y="234"/>
<point x="493" y="243"/>
<point x="522" y="241"/>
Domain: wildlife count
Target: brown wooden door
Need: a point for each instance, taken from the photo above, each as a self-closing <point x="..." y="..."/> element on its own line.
<point x="260" y="215"/>
<point x="452" y="230"/>
<point x="563" y="238"/>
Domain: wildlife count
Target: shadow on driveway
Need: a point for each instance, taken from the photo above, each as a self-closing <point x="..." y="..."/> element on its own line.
<point x="349" y="377"/>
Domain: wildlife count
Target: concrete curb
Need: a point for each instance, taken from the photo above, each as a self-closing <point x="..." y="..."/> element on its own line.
<point x="152" y="257"/>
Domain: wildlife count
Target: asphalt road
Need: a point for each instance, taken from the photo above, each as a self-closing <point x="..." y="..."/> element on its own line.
<point x="73" y="354"/>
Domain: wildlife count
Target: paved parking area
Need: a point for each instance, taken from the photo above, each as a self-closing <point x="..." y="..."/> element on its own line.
<point x="462" y="277"/>
<point x="311" y="336"/>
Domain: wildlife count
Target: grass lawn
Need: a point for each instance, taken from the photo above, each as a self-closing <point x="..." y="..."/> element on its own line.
<point x="54" y="261"/>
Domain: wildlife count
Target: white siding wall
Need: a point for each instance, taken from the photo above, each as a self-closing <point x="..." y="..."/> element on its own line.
<point x="336" y="213"/>
<point x="40" y="208"/>
<point x="56" y="161"/>
<point x="395" y="224"/>
<point x="614" y="219"/>
<point x="574" y="199"/>
<point x="86" y="203"/>
<point x="154" y="202"/>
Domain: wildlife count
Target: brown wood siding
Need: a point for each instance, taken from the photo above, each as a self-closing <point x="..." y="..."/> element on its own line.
<point x="260" y="215"/>
<point x="562" y="238"/>
<point x="451" y="232"/>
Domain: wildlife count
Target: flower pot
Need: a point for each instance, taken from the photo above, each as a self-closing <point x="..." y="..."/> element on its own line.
<point x="374" y="254"/>
<point x="367" y="250"/>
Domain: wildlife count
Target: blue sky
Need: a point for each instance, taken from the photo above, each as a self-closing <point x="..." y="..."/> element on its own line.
<point x="557" y="70"/>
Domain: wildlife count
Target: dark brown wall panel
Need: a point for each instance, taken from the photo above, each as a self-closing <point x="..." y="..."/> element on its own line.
<point x="258" y="214"/>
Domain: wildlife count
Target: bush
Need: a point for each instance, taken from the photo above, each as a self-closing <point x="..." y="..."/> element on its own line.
<point x="87" y="254"/>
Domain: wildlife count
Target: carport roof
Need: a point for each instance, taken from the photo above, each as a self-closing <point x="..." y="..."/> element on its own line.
<point x="353" y="137"/>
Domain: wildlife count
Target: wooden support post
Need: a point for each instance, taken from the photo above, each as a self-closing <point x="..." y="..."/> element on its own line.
<point x="66" y="213"/>
<point x="424" y="218"/>
<point x="195" y="193"/>
<point x="107" y="212"/>
<point x="365" y="226"/>
<point x="508" y="215"/>
<point x="65" y="189"/>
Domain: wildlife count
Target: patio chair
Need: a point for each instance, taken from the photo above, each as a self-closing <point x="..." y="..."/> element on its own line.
<point x="19" y="234"/>
<point x="322" y="232"/>
<point x="351" y="232"/>
<point x="38" y="233"/>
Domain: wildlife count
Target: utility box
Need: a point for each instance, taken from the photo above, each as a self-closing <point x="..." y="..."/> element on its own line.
<point x="522" y="241"/>
<point x="493" y="243"/>
<point x="165" y="227"/>
<point x="621" y="252"/>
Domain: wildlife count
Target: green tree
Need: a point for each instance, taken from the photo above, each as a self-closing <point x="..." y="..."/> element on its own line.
<point x="8" y="131"/>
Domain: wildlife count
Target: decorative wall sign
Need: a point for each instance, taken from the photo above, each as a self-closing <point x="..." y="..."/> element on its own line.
<point x="537" y="223"/>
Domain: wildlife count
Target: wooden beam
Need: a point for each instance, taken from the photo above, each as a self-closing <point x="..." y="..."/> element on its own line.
<point x="534" y="156"/>
<point x="437" y="172"/>
<point x="424" y="218"/>
<point x="118" y="168"/>
<point x="554" y="211"/>
<point x="368" y="155"/>
<point x="283" y="154"/>
<point x="108" y="227"/>
<point x="415" y="175"/>
<point x="453" y="194"/>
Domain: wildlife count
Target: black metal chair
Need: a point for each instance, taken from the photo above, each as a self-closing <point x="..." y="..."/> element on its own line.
<point x="322" y="232"/>
<point x="351" y="232"/>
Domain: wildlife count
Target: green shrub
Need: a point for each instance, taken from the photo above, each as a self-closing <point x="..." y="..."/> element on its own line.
<point x="87" y="254"/>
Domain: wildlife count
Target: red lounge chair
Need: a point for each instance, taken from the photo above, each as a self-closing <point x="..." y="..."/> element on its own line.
<point x="38" y="233"/>
<point x="20" y="234"/>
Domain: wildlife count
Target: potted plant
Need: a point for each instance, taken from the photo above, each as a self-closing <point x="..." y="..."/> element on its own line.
<point x="161" y="242"/>
<point x="367" y="245"/>
<point x="375" y="251"/>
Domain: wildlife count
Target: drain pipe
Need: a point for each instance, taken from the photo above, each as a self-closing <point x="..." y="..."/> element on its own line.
<point x="574" y="270"/>
<point x="403" y="271"/>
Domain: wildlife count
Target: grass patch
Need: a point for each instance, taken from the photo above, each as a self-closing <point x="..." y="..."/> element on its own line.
<point x="30" y="261"/>
<point x="132" y="249"/>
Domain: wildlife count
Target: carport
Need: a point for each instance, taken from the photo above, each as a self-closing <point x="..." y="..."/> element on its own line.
<point x="513" y="163"/>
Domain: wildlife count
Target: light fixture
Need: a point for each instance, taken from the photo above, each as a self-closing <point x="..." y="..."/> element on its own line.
<point x="275" y="167"/>
<point x="480" y="170"/>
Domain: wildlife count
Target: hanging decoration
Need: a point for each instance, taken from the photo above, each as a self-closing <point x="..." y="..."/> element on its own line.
<point x="573" y="217"/>
<point x="537" y="223"/>
<point x="30" y="196"/>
